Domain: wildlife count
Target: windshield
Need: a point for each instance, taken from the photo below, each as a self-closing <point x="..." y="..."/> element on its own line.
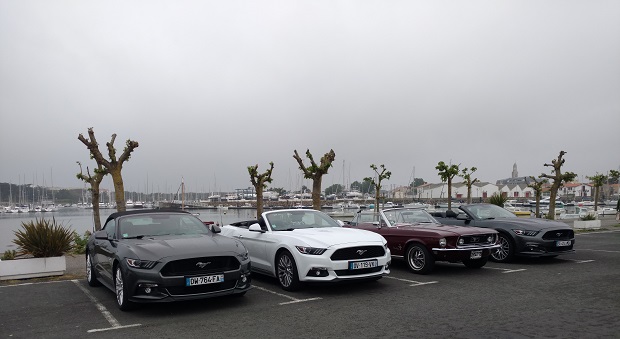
<point x="488" y="211"/>
<point x="141" y="225"/>
<point x="408" y="216"/>
<point x="292" y="220"/>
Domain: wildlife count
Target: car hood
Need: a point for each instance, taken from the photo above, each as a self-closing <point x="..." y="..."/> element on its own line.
<point x="198" y="245"/>
<point x="533" y="224"/>
<point x="331" y="236"/>
<point x="443" y="230"/>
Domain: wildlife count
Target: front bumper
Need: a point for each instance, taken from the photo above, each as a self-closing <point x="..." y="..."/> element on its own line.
<point x="536" y="247"/>
<point x="146" y="286"/>
<point x="322" y="269"/>
<point x="462" y="253"/>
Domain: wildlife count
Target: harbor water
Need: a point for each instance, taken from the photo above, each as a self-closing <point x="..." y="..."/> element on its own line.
<point x="81" y="220"/>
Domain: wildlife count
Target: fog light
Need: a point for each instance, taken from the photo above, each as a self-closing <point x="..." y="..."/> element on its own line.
<point x="147" y="290"/>
<point x="318" y="272"/>
<point x="244" y="279"/>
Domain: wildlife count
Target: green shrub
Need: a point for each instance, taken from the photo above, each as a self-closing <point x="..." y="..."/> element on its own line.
<point x="498" y="199"/>
<point x="588" y="217"/>
<point x="79" y="242"/>
<point x="43" y="238"/>
<point x="9" y="255"/>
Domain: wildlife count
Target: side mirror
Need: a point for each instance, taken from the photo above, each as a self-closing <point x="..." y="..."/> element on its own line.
<point x="462" y="216"/>
<point x="377" y="224"/>
<point x="256" y="228"/>
<point x="215" y="228"/>
<point x="340" y="222"/>
<point x="101" y="235"/>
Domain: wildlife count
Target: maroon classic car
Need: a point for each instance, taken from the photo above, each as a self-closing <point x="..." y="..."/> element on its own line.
<point x="412" y="233"/>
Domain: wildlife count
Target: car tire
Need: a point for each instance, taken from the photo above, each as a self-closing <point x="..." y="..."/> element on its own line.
<point x="286" y="272"/>
<point x="91" y="276"/>
<point x="419" y="259"/>
<point x="475" y="263"/>
<point x="120" y="289"/>
<point x="506" y="252"/>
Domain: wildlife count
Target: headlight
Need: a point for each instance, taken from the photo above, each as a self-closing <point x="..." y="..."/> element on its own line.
<point x="244" y="256"/>
<point x="310" y="250"/>
<point x="525" y="232"/>
<point x="137" y="263"/>
<point x="442" y="242"/>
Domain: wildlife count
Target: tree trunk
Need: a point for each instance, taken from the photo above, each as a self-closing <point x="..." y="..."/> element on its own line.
<point x="537" y="205"/>
<point x="316" y="193"/>
<point x="552" y="196"/>
<point x="259" y="200"/>
<point x="469" y="194"/>
<point x="377" y="197"/>
<point x="449" y="194"/>
<point x="96" y="213"/>
<point x="119" y="189"/>
<point x="596" y="198"/>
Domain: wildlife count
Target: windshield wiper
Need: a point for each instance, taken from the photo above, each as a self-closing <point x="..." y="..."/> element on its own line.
<point x="135" y="237"/>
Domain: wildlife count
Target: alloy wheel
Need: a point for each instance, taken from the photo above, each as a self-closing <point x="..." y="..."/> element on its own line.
<point x="416" y="258"/>
<point x="285" y="270"/>
<point x="119" y="287"/>
<point x="504" y="251"/>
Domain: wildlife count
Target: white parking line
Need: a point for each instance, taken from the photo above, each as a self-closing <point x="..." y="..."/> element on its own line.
<point x="293" y="299"/>
<point x="413" y="283"/>
<point x="580" y="261"/>
<point x="606" y="251"/>
<point x="506" y="270"/>
<point x="106" y="314"/>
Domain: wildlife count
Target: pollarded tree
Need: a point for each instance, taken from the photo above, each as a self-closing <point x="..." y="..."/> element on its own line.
<point x="94" y="181"/>
<point x="537" y="186"/>
<point x="114" y="166"/>
<point x="447" y="173"/>
<point x="259" y="181"/>
<point x="316" y="172"/>
<point x="376" y="184"/>
<point x="559" y="179"/>
<point x="466" y="175"/>
<point x="597" y="181"/>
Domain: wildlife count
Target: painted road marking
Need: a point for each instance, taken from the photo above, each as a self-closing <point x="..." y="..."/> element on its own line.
<point x="579" y="261"/>
<point x="506" y="270"/>
<point x="412" y="282"/>
<point x="606" y="251"/>
<point x="115" y="325"/>
<point x="293" y="299"/>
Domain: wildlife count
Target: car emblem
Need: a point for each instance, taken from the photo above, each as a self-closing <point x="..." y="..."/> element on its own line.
<point x="475" y="239"/>
<point x="559" y="234"/>
<point x="360" y="252"/>
<point x="202" y="264"/>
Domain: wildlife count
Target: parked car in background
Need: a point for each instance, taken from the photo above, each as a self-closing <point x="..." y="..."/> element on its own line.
<point x="413" y="234"/>
<point x="305" y="245"/>
<point x="526" y="237"/>
<point x="160" y="256"/>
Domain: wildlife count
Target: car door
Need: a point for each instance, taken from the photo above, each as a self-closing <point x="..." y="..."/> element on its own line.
<point x="104" y="252"/>
<point x="255" y="242"/>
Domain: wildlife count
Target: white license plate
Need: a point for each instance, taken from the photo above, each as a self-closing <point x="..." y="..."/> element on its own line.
<point x="475" y="255"/>
<point x="562" y="243"/>
<point x="207" y="279"/>
<point x="358" y="265"/>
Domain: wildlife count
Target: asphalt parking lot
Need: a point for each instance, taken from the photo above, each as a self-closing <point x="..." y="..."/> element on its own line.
<point x="572" y="296"/>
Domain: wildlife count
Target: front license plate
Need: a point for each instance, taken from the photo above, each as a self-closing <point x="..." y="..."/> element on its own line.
<point x="207" y="279"/>
<point x="562" y="243"/>
<point x="358" y="265"/>
<point x="475" y="254"/>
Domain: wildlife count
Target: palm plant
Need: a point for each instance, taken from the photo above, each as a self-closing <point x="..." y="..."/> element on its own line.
<point x="43" y="238"/>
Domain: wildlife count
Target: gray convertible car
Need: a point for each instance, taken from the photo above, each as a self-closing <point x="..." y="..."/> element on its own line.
<point x="160" y="256"/>
<point x="525" y="237"/>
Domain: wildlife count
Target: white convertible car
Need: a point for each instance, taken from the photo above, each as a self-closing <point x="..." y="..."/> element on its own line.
<point x="303" y="245"/>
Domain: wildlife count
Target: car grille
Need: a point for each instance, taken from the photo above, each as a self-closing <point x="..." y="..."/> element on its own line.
<point x="360" y="252"/>
<point x="189" y="266"/>
<point x="208" y="288"/>
<point x="559" y="235"/>
<point x="358" y="272"/>
<point x="478" y="239"/>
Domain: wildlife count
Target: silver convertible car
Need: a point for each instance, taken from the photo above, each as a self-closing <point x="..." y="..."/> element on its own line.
<point x="160" y="256"/>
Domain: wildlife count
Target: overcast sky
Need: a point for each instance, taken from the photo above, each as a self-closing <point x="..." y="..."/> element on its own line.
<point x="210" y="87"/>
